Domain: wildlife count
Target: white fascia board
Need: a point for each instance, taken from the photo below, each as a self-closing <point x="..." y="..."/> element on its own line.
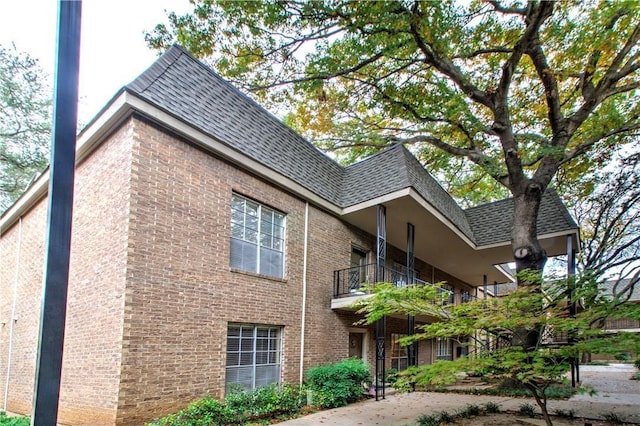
<point x="120" y="108"/>
<point x="574" y="232"/>
<point x="213" y="145"/>
<point x="86" y="142"/>
<point x="409" y="192"/>
<point x="504" y="272"/>
<point x="375" y="201"/>
<point x="442" y="218"/>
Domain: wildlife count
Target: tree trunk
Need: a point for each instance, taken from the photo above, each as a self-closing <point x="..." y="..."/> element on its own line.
<point x="527" y="251"/>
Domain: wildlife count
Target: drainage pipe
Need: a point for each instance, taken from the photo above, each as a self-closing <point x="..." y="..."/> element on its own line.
<point x="304" y="289"/>
<point x="12" y="319"/>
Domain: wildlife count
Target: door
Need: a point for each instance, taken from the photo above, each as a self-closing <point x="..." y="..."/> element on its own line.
<point x="355" y="345"/>
<point x="358" y="271"/>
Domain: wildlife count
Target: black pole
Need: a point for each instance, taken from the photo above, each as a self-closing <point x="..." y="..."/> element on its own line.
<point x="61" y="177"/>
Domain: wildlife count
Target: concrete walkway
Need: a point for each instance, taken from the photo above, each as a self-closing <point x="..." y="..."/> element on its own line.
<point x="615" y="394"/>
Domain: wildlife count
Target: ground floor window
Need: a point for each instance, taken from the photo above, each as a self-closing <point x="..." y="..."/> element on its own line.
<point x="399" y="354"/>
<point x="254" y="354"/>
<point x="444" y="348"/>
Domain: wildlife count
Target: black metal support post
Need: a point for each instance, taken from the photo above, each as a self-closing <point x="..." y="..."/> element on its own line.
<point x="61" y="178"/>
<point x="571" y="284"/>
<point x="381" y="325"/>
<point x="411" y="275"/>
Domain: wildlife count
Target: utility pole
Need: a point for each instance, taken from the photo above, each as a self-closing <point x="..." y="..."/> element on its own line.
<point x="61" y="177"/>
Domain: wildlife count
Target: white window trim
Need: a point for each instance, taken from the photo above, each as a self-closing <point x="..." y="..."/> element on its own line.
<point x="259" y="233"/>
<point x="254" y="365"/>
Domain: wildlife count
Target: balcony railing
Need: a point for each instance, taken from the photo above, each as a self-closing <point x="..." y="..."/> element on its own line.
<point x="621" y="324"/>
<point x="349" y="282"/>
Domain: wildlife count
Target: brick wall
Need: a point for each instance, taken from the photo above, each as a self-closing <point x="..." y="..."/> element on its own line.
<point x="91" y="359"/>
<point x="181" y="293"/>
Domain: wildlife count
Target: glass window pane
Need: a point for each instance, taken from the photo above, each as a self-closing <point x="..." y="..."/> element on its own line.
<point x="258" y="226"/>
<point x="250" y="367"/>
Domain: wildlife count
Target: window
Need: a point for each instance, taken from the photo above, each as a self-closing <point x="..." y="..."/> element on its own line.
<point x="444" y="348"/>
<point x="253" y="355"/>
<point x="257" y="238"/>
<point x="399" y="354"/>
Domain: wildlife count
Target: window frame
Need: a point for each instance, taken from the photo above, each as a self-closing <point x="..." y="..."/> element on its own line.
<point x="255" y="351"/>
<point x="278" y="219"/>
<point x="444" y="348"/>
<point x="400" y="352"/>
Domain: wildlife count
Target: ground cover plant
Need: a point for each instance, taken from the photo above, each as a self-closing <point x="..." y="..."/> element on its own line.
<point x="331" y="385"/>
<point x="239" y="407"/>
<point x="13" y="421"/>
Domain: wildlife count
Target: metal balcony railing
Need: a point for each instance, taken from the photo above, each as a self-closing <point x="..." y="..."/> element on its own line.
<point x="349" y="281"/>
<point x="621" y="324"/>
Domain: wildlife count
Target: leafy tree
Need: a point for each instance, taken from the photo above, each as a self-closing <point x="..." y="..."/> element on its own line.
<point x="610" y="219"/>
<point x="25" y="123"/>
<point x="536" y="366"/>
<point x="518" y="90"/>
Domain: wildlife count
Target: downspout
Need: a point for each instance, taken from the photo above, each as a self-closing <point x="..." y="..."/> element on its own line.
<point x="12" y="320"/>
<point x="304" y="288"/>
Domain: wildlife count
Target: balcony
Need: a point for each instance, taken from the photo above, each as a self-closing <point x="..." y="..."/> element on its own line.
<point x="348" y="283"/>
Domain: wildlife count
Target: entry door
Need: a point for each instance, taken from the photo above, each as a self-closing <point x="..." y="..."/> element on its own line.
<point x="355" y="345"/>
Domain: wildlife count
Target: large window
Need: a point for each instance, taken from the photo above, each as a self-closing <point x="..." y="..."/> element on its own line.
<point x="257" y="238"/>
<point x="253" y="355"/>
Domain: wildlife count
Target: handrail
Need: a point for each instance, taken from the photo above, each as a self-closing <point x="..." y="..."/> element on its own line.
<point x="349" y="281"/>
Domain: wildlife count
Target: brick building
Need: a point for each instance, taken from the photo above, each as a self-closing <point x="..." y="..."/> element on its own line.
<point x="213" y="245"/>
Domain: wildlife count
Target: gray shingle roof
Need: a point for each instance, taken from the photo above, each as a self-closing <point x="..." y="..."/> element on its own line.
<point x="183" y="87"/>
<point x="492" y="222"/>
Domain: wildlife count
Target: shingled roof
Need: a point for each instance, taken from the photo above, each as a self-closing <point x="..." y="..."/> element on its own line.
<point x="190" y="91"/>
<point x="492" y="222"/>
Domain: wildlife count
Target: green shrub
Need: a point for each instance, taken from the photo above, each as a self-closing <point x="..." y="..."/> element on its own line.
<point x="429" y="420"/>
<point x="491" y="407"/>
<point x="446" y="418"/>
<point x="613" y="418"/>
<point x="336" y="385"/>
<point x="240" y="406"/>
<point x="636" y="363"/>
<point x="622" y="356"/>
<point x="527" y="409"/>
<point x="13" y="421"/>
<point x="567" y="414"/>
<point x="470" y="411"/>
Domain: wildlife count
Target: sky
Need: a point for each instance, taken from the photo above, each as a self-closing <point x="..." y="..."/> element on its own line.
<point x="112" y="51"/>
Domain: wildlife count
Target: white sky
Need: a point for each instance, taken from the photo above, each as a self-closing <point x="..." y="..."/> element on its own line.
<point x="113" y="51"/>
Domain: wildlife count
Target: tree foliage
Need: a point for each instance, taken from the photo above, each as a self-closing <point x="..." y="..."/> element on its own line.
<point x="25" y="123"/>
<point x="610" y="219"/>
<point x="491" y="331"/>
<point x="517" y="90"/>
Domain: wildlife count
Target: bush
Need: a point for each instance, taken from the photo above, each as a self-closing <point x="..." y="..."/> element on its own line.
<point x="527" y="410"/>
<point x="336" y="385"/>
<point x="470" y="411"/>
<point x="636" y="363"/>
<point x="13" y="421"/>
<point x="240" y="406"/>
<point x="429" y="420"/>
